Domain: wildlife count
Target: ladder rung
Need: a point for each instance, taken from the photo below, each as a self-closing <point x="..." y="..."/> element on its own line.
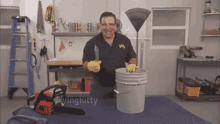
<point x="19" y="73"/>
<point x="16" y="86"/>
<point x="20" y="33"/>
<point x="19" y="60"/>
<point x="20" y="46"/>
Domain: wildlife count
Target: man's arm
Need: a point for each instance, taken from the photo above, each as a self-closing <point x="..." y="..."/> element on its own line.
<point x="131" y="57"/>
<point x="133" y="61"/>
<point x="85" y="65"/>
<point x="87" y="54"/>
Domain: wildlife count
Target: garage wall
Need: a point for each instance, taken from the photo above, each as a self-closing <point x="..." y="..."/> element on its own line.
<point x="27" y="8"/>
<point x="161" y="64"/>
<point x="70" y="11"/>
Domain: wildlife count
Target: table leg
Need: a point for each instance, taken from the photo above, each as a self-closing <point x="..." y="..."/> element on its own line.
<point x="176" y="74"/>
<point x="48" y="77"/>
<point x="184" y="75"/>
<point x="56" y="76"/>
<point x="54" y="46"/>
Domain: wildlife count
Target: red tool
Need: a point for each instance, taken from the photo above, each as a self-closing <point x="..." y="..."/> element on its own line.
<point x="87" y="85"/>
<point x="48" y="103"/>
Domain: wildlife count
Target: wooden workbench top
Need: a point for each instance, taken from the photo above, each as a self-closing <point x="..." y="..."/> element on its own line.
<point x="64" y="61"/>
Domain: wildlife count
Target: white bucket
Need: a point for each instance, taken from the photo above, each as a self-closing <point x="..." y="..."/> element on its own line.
<point x="130" y="90"/>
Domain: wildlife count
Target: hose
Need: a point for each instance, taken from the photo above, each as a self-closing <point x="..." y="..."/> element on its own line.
<point x="35" y="60"/>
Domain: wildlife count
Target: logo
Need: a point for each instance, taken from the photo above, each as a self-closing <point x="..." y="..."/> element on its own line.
<point x="122" y="46"/>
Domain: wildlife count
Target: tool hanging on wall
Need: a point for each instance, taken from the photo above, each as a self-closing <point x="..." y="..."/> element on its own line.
<point x="40" y="23"/>
<point x="35" y="62"/>
<point x="34" y="44"/>
<point x="50" y="13"/>
<point x="43" y="52"/>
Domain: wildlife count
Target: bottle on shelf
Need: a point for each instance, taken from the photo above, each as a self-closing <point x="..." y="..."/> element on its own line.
<point x="207" y="9"/>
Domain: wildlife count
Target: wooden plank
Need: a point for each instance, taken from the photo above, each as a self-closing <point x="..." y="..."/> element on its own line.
<point x="64" y="62"/>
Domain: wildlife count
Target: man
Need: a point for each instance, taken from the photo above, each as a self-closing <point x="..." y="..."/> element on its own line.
<point x="114" y="50"/>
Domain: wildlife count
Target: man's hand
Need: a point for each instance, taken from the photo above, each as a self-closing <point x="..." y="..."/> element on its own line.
<point x="131" y="67"/>
<point x="94" y="66"/>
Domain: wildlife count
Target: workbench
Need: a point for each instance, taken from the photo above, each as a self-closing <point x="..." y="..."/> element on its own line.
<point x="63" y="65"/>
<point x="182" y="63"/>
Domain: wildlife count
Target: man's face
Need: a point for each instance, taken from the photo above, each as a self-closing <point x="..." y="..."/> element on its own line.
<point x="108" y="27"/>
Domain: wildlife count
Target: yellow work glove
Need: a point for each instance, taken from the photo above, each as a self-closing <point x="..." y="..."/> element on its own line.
<point x="94" y="66"/>
<point x="57" y="83"/>
<point x="131" y="67"/>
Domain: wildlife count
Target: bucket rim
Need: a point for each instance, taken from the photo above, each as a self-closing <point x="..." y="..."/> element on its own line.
<point x="127" y="73"/>
<point x="129" y="76"/>
<point x="129" y="79"/>
<point x="125" y="83"/>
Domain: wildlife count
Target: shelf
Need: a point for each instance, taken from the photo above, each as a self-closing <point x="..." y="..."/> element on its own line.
<point x="198" y="62"/>
<point x="210" y="35"/>
<point x="211" y="14"/>
<point x="73" y="34"/>
<point x="168" y="27"/>
<point x="199" y="59"/>
<point x="200" y="98"/>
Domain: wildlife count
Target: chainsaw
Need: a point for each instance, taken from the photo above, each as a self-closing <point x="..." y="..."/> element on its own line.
<point x="50" y="101"/>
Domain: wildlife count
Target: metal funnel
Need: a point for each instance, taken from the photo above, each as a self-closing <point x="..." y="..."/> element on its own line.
<point x="137" y="16"/>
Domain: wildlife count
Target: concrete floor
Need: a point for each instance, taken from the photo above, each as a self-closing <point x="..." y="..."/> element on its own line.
<point x="209" y="111"/>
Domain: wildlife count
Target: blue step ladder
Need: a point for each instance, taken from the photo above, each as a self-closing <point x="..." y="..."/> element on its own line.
<point x="15" y="21"/>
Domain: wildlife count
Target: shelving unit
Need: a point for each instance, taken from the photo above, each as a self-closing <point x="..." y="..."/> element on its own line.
<point x="182" y="64"/>
<point x="67" y="65"/>
<point x="204" y="15"/>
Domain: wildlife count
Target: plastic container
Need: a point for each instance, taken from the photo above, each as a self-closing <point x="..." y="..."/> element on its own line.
<point x="130" y="97"/>
<point x="192" y="88"/>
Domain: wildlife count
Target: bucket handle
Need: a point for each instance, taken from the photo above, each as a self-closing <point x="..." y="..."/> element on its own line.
<point x="126" y="91"/>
